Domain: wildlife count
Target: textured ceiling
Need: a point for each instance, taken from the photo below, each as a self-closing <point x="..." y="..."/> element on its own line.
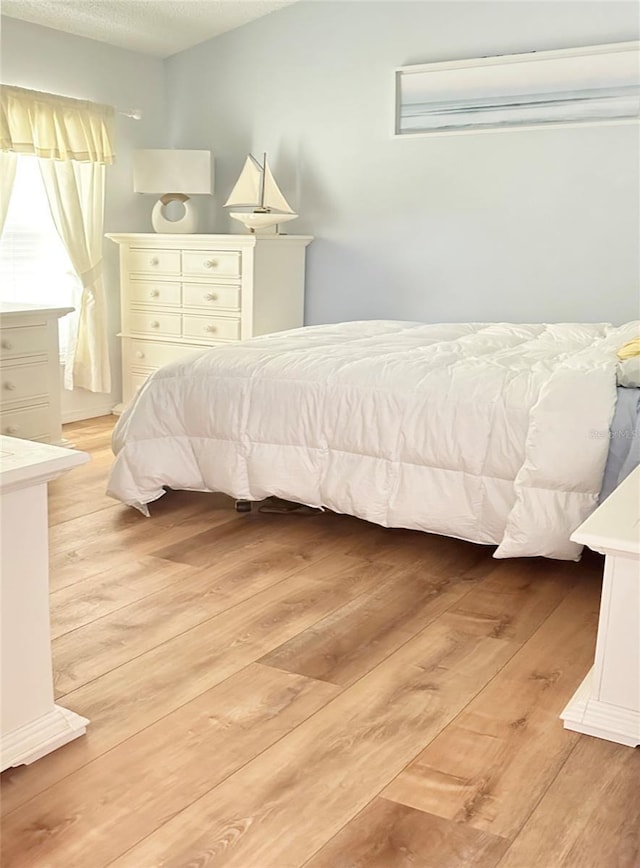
<point x="156" y="27"/>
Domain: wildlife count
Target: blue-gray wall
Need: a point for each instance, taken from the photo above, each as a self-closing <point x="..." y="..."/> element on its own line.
<point x="519" y="225"/>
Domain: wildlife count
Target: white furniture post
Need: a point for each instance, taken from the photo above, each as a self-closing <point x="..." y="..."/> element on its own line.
<point x="31" y="724"/>
<point x="607" y="703"/>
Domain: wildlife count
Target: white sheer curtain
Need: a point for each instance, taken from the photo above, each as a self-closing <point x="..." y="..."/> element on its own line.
<point x="72" y="139"/>
<point x="76" y="199"/>
<point x="8" y="162"/>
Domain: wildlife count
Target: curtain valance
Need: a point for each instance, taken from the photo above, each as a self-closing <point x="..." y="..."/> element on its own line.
<point x="55" y="127"/>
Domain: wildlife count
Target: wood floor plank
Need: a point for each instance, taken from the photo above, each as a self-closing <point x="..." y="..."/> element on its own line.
<point x="310" y="533"/>
<point x="505" y="748"/>
<point x="388" y="835"/>
<point x="158" y="772"/>
<point x="104" y="643"/>
<point x="96" y="428"/>
<point x="90" y="651"/>
<point x="193" y="509"/>
<point x="444" y="556"/>
<point x="89" y="545"/>
<point x="136" y="694"/>
<point x="590" y="816"/>
<point x="277" y="811"/>
<point x="84" y="493"/>
<point x="76" y="605"/>
<point x="355" y="638"/>
<point x="512" y="602"/>
<point x="515" y="598"/>
<point x="237" y="578"/>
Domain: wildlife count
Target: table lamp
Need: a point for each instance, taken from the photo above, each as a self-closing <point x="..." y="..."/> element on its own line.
<point x="174" y="175"/>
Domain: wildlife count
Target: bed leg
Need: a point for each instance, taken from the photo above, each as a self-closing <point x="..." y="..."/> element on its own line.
<point x="243" y="506"/>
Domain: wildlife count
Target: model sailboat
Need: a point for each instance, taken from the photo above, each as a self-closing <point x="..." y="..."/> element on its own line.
<point x="256" y="189"/>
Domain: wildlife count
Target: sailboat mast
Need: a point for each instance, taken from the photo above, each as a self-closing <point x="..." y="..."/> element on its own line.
<point x="264" y="172"/>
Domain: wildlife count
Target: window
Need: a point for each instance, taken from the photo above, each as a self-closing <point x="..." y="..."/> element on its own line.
<point x="34" y="264"/>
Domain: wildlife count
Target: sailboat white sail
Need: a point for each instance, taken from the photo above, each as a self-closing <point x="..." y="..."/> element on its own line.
<point x="256" y="189"/>
<point x="272" y="195"/>
<point x="246" y="192"/>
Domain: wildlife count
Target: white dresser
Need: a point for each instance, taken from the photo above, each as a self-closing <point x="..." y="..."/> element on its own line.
<point x="30" y="372"/>
<point x="183" y="293"/>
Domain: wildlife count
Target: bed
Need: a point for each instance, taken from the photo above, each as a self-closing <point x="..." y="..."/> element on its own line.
<point x="624" y="439"/>
<point x="490" y="432"/>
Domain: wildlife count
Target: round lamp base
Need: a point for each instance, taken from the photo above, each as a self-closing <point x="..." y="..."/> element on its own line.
<point x="188" y="223"/>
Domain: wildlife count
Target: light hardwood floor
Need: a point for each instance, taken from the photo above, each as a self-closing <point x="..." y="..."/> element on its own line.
<point x="274" y="691"/>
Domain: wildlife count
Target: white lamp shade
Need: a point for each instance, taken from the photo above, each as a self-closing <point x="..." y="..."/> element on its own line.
<point x="164" y="170"/>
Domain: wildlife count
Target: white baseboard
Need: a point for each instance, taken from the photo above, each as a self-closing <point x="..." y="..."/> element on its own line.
<point x="39" y="737"/>
<point x="591" y="717"/>
<point x="93" y="413"/>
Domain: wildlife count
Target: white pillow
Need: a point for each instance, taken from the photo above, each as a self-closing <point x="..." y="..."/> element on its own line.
<point x="629" y="372"/>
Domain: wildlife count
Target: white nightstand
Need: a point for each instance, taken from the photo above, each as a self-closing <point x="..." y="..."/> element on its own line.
<point x="31" y="723"/>
<point x="183" y="293"/>
<point x="30" y="384"/>
<point x="607" y="703"/>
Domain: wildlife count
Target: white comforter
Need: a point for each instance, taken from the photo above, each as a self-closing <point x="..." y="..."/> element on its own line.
<point x="492" y="433"/>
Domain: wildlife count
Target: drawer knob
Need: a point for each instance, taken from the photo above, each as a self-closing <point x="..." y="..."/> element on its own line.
<point x="212" y="329"/>
<point x="154" y="260"/>
<point x="210" y="263"/>
<point x="10" y="387"/>
<point x="13" y="429"/>
<point x="154" y="293"/>
<point x="155" y="324"/>
<point x="7" y="345"/>
<point x="139" y="354"/>
<point x="211" y="296"/>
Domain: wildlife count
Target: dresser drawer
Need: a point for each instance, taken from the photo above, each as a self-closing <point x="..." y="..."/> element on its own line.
<point x="29" y="424"/>
<point x="203" y="263"/>
<point x="23" y="341"/>
<point x="134" y="381"/>
<point x="150" y="292"/>
<point x="154" y="354"/>
<point x="18" y="382"/>
<point x="200" y="295"/>
<point x="154" y="323"/>
<point x="211" y="328"/>
<point x="154" y="261"/>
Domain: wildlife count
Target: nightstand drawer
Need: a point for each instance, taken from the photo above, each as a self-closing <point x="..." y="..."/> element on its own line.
<point x="154" y="354"/>
<point x="23" y="341"/>
<point x="28" y="424"/>
<point x="201" y="295"/>
<point x="207" y="262"/>
<point x="18" y="382"/>
<point x="154" y="323"/>
<point x="150" y="292"/>
<point x="211" y="328"/>
<point x="152" y="261"/>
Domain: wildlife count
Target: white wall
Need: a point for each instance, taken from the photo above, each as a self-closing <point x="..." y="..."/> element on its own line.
<point x="45" y="59"/>
<point x="520" y="225"/>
